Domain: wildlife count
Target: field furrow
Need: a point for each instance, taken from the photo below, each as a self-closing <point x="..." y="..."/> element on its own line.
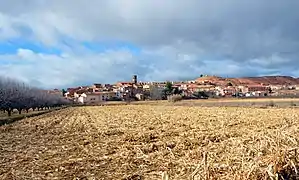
<point x="143" y="142"/>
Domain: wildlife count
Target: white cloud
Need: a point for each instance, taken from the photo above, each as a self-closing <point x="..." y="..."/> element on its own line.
<point x="58" y="71"/>
<point x="47" y="70"/>
<point x="25" y="53"/>
<point x="50" y="71"/>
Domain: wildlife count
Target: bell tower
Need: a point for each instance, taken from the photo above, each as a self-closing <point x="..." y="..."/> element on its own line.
<point x="134" y="79"/>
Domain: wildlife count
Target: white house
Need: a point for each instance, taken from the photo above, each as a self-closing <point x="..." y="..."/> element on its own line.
<point x="118" y="93"/>
<point x="82" y="98"/>
<point x="97" y="97"/>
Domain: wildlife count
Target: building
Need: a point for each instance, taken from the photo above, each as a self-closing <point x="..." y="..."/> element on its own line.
<point x="140" y="96"/>
<point x="71" y="92"/>
<point x="55" y="92"/>
<point x="276" y="87"/>
<point x="193" y="88"/>
<point x="229" y="91"/>
<point x="97" y="85"/>
<point x="97" y="97"/>
<point x="255" y="88"/>
<point x="134" y="79"/>
<point x="146" y="87"/>
<point x="82" y="98"/>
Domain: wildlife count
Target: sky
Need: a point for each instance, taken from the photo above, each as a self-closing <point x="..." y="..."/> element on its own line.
<point x="66" y="43"/>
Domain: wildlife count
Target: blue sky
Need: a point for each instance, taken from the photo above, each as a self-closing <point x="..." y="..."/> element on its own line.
<point x="11" y="47"/>
<point x="50" y="45"/>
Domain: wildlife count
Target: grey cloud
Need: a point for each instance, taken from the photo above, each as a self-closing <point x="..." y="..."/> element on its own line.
<point x="234" y="33"/>
<point x="238" y="29"/>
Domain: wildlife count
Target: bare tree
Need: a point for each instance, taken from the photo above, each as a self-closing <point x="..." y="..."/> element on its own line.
<point x="19" y="96"/>
<point x="8" y="93"/>
<point x="156" y="93"/>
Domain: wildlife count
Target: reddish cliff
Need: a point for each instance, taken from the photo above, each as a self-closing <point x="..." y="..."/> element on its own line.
<point x="265" y="80"/>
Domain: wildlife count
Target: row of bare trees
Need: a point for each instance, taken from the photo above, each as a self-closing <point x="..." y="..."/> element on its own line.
<point x="19" y="96"/>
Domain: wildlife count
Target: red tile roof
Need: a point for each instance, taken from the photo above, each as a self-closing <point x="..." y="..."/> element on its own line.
<point x="257" y="85"/>
<point x="101" y="93"/>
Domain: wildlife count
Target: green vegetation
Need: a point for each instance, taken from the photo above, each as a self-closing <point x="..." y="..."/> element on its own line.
<point x="63" y="92"/>
<point x="229" y="84"/>
<point x="170" y="90"/>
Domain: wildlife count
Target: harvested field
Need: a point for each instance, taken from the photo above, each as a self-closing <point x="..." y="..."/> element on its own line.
<point x="221" y="102"/>
<point x="150" y="141"/>
<point x="4" y="119"/>
<point x="263" y="102"/>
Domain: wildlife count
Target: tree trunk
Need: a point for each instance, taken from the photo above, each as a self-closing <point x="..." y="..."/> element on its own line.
<point x="20" y="111"/>
<point x="27" y="110"/>
<point x="9" y="112"/>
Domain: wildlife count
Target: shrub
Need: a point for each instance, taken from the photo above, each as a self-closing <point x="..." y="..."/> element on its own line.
<point x="271" y="104"/>
<point x="293" y="104"/>
<point x="174" y="98"/>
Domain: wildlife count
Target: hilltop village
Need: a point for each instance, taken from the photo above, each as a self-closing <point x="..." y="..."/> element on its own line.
<point x="205" y="86"/>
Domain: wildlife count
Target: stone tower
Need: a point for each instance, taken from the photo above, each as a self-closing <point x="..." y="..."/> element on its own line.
<point x="134" y="79"/>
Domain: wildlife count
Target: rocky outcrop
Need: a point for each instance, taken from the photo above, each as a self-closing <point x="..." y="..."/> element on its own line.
<point x="263" y="80"/>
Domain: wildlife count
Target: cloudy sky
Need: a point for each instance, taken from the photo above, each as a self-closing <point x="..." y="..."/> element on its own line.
<point x="63" y="43"/>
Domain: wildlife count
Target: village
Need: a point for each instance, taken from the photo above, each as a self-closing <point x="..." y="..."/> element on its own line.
<point x="135" y="90"/>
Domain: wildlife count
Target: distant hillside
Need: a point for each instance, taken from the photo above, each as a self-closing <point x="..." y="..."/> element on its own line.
<point x="266" y="80"/>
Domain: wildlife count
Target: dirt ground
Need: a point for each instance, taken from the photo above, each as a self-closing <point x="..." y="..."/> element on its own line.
<point x="221" y="102"/>
<point x="265" y="102"/>
<point x="152" y="142"/>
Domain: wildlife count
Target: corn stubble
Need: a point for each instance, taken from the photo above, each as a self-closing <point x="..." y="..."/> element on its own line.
<point x="152" y="142"/>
